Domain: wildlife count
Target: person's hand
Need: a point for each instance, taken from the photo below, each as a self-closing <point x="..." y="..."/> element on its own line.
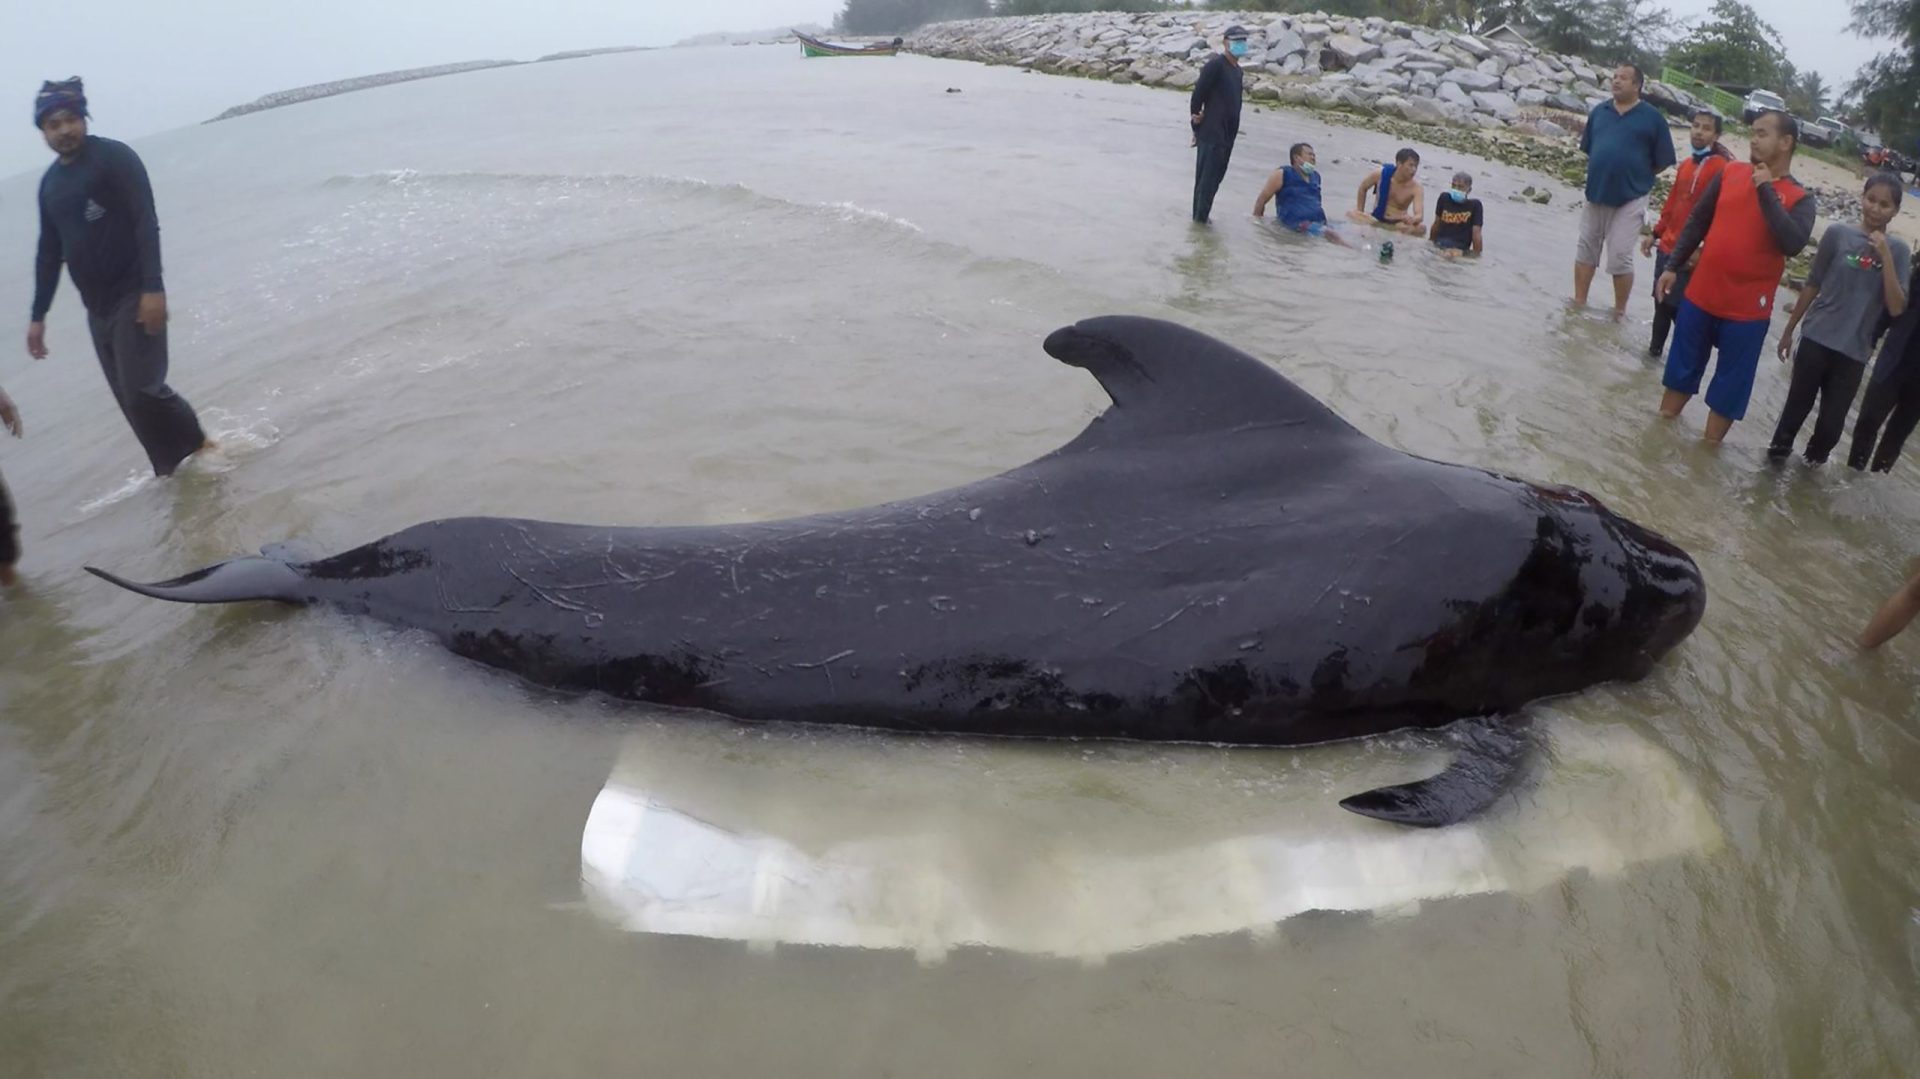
<point x="37" y="340"/>
<point x="1786" y="345"/>
<point x="9" y="416"/>
<point x="152" y="313"/>
<point x="1646" y="245"/>
<point x="1664" y="285"/>
<point x="1762" y="176"/>
<point x="1878" y="241"/>
<point x="1196" y="119"/>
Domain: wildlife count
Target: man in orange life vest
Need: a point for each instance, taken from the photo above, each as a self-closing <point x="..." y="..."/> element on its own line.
<point x="1689" y="183"/>
<point x="1751" y="220"/>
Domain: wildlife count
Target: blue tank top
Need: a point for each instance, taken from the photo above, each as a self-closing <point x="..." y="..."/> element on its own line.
<point x="1386" y="185"/>
<point x="1299" y="201"/>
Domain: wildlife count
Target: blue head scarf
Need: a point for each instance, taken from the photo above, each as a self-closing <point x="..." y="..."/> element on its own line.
<point x="54" y="96"/>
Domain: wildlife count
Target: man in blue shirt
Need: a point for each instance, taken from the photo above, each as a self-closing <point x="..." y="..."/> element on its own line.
<point x="1215" y="106"/>
<point x="1627" y="144"/>
<point x="97" y="218"/>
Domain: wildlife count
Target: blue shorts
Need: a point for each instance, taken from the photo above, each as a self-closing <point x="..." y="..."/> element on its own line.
<point x="1311" y="228"/>
<point x="1696" y="334"/>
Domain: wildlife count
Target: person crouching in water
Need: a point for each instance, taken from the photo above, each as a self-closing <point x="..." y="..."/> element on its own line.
<point x="1294" y="190"/>
<point x="1859" y="277"/>
<point x="1689" y="183"/>
<point x="1402" y="202"/>
<point x="1752" y="218"/>
<point x="1457" y="219"/>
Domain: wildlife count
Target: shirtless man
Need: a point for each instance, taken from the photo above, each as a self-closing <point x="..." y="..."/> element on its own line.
<point x="1401" y="203"/>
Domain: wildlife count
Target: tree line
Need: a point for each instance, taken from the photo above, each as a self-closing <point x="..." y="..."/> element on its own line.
<point x="1731" y="46"/>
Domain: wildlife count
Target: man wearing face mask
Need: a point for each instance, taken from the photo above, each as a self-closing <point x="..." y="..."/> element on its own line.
<point x="1696" y="173"/>
<point x="1458" y="219"/>
<point x="1215" y="106"/>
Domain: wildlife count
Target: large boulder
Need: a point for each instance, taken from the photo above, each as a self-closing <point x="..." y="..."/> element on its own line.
<point x="1284" y="44"/>
<point x="1493" y="65"/>
<point x="1564" y="100"/>
<point x="1471" y="80"/>
<point x="1531" y="96"/>
<point x="1312" y="32"/>
<point x="1421" y="110"/>
<point x="1183" y="79"/>
<point x="1423" y="81"/>
<point x="1452" y="94"/>
<point x="1480" y="49"/>
<point x="1495" y="103"/>
<point x="1397" y="46"/>
<point x="1352" y="50"/>
<point x="1426" y="39"/>
<point x="1519" y="78"/>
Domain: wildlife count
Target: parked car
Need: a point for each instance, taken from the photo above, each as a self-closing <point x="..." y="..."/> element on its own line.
<point x="1825" y="131"/>
<point x="1816" y="133"/>
<point x="1761" y="101"/>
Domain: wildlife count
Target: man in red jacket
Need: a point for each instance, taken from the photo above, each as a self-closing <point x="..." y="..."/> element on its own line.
<point x="1689" y="183"/>
<point x="1751" y="219"/>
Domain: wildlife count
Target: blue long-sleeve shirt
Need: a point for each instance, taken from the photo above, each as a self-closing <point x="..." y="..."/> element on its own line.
<point x="97" y="217"/>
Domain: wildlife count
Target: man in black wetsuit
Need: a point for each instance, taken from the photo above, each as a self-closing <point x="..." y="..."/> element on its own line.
<point x="97" y="217"/>
<point x="1215" y="106"/>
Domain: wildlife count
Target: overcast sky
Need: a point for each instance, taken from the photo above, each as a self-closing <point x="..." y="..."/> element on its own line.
<point x="152" y="65"/>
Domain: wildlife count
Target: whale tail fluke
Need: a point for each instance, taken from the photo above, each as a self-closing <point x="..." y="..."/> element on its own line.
<point x="1492" y="751"/>
<point x="237" y="581"/>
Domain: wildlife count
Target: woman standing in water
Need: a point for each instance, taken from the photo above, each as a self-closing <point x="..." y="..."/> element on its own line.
<point x="1859" y="277"/>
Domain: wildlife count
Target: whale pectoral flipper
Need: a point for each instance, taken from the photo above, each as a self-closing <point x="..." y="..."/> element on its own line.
<point x="228" y="582"/>
<point x="1492" y="750"/>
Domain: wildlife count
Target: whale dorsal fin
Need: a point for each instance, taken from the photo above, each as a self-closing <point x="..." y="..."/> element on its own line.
<point x="1166" y="379"/>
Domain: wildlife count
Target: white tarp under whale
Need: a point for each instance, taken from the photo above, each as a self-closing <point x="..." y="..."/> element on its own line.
<point x="795" y="836"/>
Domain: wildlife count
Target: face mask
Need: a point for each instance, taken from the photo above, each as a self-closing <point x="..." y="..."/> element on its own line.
<point x="1458" y="195"/>
<point x="1237" y="48"/>
<point x="1306" y="168"/>
<point x="1701" y="154"/>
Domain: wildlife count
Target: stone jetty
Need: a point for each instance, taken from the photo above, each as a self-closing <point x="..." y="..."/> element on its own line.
<point x="1373" y="66"/>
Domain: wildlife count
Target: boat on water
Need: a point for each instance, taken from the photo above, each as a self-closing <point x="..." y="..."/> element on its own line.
<point x="813" y="46"/>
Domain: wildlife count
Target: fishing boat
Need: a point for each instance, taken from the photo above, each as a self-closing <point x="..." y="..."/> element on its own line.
<point x="813" y="46"/>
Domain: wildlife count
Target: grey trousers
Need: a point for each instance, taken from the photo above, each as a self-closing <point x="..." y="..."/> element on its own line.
<point x="135" y="363"/>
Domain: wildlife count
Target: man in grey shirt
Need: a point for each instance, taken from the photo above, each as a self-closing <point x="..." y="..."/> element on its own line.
<point x="1859" y="274"/>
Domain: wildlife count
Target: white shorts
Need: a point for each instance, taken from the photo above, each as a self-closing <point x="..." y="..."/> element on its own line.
<point x="1618" y="228"/>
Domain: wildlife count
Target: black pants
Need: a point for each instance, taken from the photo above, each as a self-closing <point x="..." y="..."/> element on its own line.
<point x="1209" y="168"/>
<point x="1896" y="396"/>
<point x="1663" y="313"/>
<point x="9" y="529"/>
<point x="135" y="363"/>
<point x="1834" y="378"/>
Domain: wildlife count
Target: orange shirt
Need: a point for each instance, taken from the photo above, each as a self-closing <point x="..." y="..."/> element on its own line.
<point x="1740" y="262"/>
<point x="1689" y="181"/>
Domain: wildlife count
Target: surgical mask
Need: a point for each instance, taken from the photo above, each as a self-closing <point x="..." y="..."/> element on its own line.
<point x="1306" y="168"/>
<point x="1701" y="154"/>
<point x="1458" y="195"/>
<point x="1237" y="48"/>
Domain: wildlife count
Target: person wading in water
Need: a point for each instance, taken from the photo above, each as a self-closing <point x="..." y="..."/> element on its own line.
<point x="97" y="217"/>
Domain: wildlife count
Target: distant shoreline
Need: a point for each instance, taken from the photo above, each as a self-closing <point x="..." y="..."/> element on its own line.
<point x="283" y="98"/>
